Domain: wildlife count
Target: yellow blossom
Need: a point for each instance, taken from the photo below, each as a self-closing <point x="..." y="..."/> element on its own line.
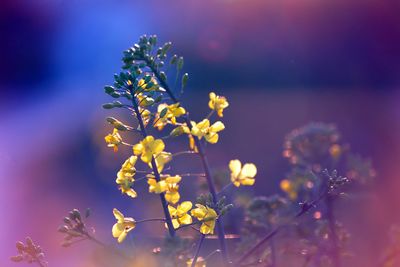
<point x="288" y="187"/>
<point x="199" y="263"/>
<point x="146" y="115"/>
<point x="218" y="103"/>
<point x="207" y="216"/>
<point x="125" y="177"/>
<point x="172" y="193"/>
<point x="148" y="147"/>
<point x="123" y="226"/>
<point x="210" y="133"/>
<point x="162" y="159"/>
<point x="180" y="214"/>
<point x="242" y="175"/>
<point x="113" y="140"/>
<point x="157" y="187"/>
<point x="172" y="112"/>
<point x="147" y="87"/>
<point x="144" y="100"/>
<point x="168" y="185"/>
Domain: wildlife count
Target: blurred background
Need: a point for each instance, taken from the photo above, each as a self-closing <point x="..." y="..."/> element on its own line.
<point x="281" y="64"/>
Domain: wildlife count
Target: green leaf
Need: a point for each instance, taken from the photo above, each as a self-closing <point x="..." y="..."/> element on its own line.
<point x="163" y="112"/>
<point x="163" y="76"/>
<point x="179" y="65"/>
<point x="109" y="89"/>
<point x="185" y="78"/>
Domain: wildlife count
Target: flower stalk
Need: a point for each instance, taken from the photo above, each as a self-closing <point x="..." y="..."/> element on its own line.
<point x="204" y="160"/>
<point x="164" y="203"/>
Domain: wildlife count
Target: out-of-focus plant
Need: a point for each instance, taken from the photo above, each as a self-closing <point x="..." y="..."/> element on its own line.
<point x="320" y="239"/>
<point x="30" y="253"/>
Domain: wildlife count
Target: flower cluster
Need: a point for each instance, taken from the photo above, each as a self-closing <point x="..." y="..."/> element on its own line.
<point x="29" y="252"/>
<point x="144" y="84"/>
<point x="125" y="177"/>
<point x="123" y="226"/>
<point x="74" y="227"/>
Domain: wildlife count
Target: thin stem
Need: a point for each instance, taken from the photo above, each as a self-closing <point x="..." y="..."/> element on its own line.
<point x="210" y="114"/>
<point x="126" y="144"/>
<point x="155" y="170"/>
<point x="193" y="174"/>
<point x="304" y="209"/>
<point x="332" y="228"/>
<point x="196" y="254"/>
<point x="212" y="254"/>
<point x="226" y="187"/>
<point x="211" y="186"/>
<point x="114" y="250"/>
<point x="151" y="220"/>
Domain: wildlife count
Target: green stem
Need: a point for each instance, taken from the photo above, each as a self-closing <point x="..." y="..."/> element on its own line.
<point x="164" y="203"/>
<point x="196" y="255"/>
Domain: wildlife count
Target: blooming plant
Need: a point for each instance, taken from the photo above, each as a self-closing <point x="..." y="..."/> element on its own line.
<point x="158" y="118"/>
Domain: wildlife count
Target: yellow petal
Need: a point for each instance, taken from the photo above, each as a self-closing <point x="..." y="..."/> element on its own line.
<point x="185" y="219"/>
<point x="172" y="210"/>
<point x="235" y="166"/>
<point x="175" y="223"/>
<point x="172" y="197"/>
<point x="137" y="149"/>
<point x="122" y="236"/>
<point x="118" y="215"/>
<point x="203" y="124"/>
<point x="212" y="138"/>
<point x="248" y="181"/>
<point x="157" y="146"/>
<point x="184" y="207"/>
<point x="217" y="126"/>
<point x="117" y="229"/>
<point x="249" y="170"/>
<point x="173" y="179"/>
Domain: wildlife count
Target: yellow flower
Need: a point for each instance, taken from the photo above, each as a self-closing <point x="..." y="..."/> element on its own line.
<point x="125" y="177"/>
<point x="148" y="147"/>
<point x="288" y="187"/>
<point x="123" y="226"/>
<point x="144" y="101"/>
<point x="113" y="140"/>
<point x="146" y="115"/>
<point x="147" y="87"/>
<point x="199" y="263"/>
<point x="210" y="133"/>
<point x="172" y="112"/>
<point x="168" y="185"/>
<point x="172" y="193"/>
<point x="162" y="159"/>
<point x="207" y="216"/>
<point x="157" y="187"/>
<point x="180" y="214"/>
<point x="218" y="103"/>
<point x="242" y="176"/>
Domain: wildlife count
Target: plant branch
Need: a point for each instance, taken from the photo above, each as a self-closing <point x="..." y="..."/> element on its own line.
<point x="304" y="209"/>
<point x="196" y="255"/>
<point x="155" y="169"/>
<point x="210" y="182"/>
